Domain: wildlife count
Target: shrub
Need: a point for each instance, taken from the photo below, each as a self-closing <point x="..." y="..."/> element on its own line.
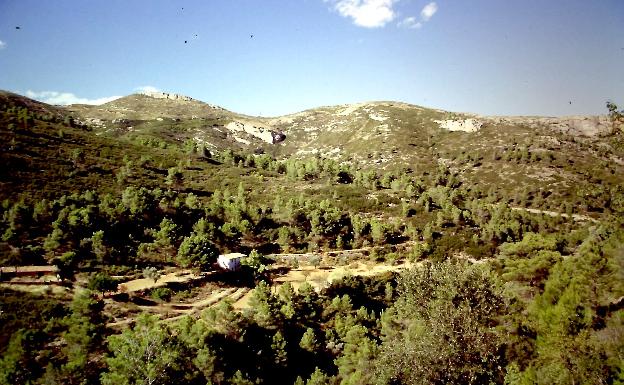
<point x="162" y="293"/>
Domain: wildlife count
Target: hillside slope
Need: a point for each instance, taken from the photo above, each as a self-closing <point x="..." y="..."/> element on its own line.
<point x="555" y="158"/>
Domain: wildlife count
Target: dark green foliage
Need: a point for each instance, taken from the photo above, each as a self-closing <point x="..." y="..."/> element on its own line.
<point x="17" y="364"/>
<point x="616" y="116"/>
<point x="25" y="311"/>
<point x="162" y="293"/>
<point x="145" y="354"/>
<point x="83" y="338"/>
<point x="443" y="328"/>
<point x="573" y="315"/>
<point x="197" y="251"/>
<point x="101" y="282"/>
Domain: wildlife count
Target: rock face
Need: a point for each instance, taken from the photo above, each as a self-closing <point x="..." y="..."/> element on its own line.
<point x="267" y="135"/>
<point x="165" y="95"/>
<point x="574" y="125"/>
<point x="466" y="125"/>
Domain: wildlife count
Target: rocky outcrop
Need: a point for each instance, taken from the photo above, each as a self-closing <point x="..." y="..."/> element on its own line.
<point x="573" y="125"/>
<point x="466" y="125"/>
<point x="178" y="97"/>
<point x="263" y="133"/>
<point x="165" y="95"/>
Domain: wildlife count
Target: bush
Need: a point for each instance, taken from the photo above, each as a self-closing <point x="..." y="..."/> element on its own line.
<point x="162" y="294"/>
<point x="102" y="282"/>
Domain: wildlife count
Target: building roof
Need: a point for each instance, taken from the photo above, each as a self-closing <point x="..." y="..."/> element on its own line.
<point x="29" y="269"/>
<point x="231" y="256"/>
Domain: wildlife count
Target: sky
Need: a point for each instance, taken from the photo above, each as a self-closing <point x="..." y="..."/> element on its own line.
<point x="273" y="57"/>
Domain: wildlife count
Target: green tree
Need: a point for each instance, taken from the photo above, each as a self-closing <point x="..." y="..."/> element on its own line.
<point x="16" y="365"/>
<point x="264" y="307"/>
<point x="319" y="378"/>
<point x="137" y="200"/>
<point x="240" y="379"/>
<point x="616" y="116"/>
<point x="98" y="247"/>
<point x="82" y="337"/>
<point x="354" y="365"/>
<point x="567" y="348"/>
<point x="284" y="237"/>
<point x="101" y="282"/>
<point x="278" y="345"/>
<point x="256" y="263"/>
<point x="174" y="177"/>
<point x="442" y="329"/>
<point x="308" y="341"/>
<point x="167" y="234"/>
<point x="145" y="355"/>
<point x="197" y="250"/>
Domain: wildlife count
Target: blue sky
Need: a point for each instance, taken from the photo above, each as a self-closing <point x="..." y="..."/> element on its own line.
<point x="529" y="57"/>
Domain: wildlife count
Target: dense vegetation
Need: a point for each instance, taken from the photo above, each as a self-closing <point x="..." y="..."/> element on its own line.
<point x="509" y="285"/>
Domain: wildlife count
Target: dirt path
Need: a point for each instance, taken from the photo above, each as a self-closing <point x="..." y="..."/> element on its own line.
<point x="169" y="312"/>
<point x="140" y="284"/>
<point x="334" y="252"/>
<point x="576" y="217"/>
<point x="196" y="307"/>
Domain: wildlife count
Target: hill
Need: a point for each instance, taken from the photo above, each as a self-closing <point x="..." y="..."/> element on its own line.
<point x="556" y="156"/>
<point x="466" y="249"/>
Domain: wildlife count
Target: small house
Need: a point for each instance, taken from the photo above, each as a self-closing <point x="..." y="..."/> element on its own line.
<point x="230" y="261"/>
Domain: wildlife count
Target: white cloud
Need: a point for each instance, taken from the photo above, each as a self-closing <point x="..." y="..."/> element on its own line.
<point x="64" y="98"/>
<point x="409" y="23"/>
<point x="2" y="44"/>
<point x="147" y="89"/>
<point x="428" y="11"/>
<point x="425" y="15"/>
<point x="366" y="13"/>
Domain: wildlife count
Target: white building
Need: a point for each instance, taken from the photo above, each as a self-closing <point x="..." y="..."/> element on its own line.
<point x="230" y="261"/>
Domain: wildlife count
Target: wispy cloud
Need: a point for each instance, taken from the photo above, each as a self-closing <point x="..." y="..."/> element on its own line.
<point x="366" y="13"/>
<point x="428" y="11"/>
<point x="426" y="14"/>
<point x="410" y="23"/>
<point x="2" y="44"/>
<point x="147" y="89"/>
<point x="65" y="98"/>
